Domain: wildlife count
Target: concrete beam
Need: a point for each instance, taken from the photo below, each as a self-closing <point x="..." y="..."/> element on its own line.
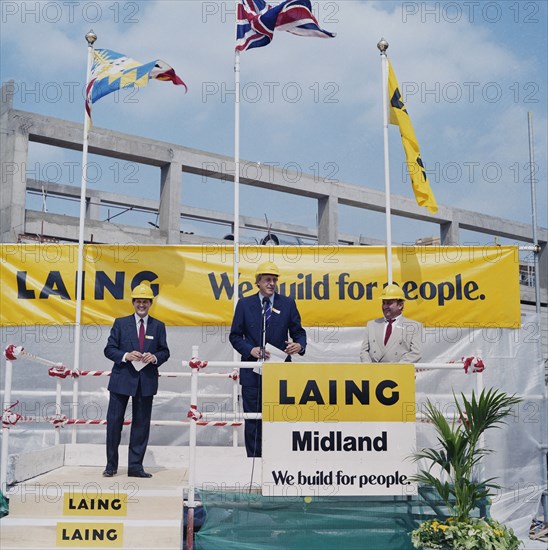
<point x="152" y="152"/>
<point x="499" y="227"/>
<point x="65" y="228"/>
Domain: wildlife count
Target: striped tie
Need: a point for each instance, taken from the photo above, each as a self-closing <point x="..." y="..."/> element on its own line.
<point x="267" y="310"/>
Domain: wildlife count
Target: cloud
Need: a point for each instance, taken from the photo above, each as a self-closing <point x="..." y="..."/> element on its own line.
<point x="465" y="78"/>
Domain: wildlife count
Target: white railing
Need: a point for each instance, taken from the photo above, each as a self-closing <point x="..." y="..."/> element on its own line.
<point x="195" y="417"/>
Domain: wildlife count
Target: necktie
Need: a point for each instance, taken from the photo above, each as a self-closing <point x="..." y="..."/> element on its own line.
<point x="267" y="309"/>
<point x="141" y="335"/>
<point x="388" y="331"/>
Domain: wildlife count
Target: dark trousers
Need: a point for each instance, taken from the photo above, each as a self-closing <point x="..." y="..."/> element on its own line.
<point x="252" y="400"/>
<point x="141" y="408"/>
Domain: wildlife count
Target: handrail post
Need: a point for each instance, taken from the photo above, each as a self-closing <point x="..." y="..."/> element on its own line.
<point x="191" y="503"/>
<point x="5" y="428"/>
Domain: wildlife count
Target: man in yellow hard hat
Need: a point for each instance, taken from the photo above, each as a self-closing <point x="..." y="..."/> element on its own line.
<point x="264" y="318"/>
<point x="393" y="338"/>
<point x="138" y="346"/>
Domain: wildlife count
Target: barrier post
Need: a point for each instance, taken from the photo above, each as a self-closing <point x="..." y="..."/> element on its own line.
<point x="75" y="393"/>
<point x="58" y="405"/>
<point x="235" y="408"/>
<point x="5" y="428"/>
<point x="191" y="503"/>
<point x="479" y="389"/>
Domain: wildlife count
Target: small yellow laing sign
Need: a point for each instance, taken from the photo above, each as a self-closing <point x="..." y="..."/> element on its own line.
<point x="105" y="504"/>
<point x="338" y="392"/>
<point x="90" y="535"/>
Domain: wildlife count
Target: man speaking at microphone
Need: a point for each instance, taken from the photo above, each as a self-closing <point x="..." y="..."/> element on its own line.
<point x="264" y="318"/>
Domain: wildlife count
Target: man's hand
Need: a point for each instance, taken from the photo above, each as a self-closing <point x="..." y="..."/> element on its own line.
<point x="134" y="356"/>
<point x="257" y="353"/>
<point x="292" y="348"/>
<point x="148" y="358"/>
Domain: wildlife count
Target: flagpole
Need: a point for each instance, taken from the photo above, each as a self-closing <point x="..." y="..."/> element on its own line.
<point x="236" y="175"/>
<point x="534" y="212"/>
<point x="236" y="229"/>
<point x="91" y="37"/>
<point x="383" y="46"/>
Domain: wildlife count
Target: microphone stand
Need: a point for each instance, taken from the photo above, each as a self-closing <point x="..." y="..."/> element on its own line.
<point x="263" y="335"/>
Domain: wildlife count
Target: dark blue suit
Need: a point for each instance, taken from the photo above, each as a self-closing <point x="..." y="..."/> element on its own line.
<point x="141" y="385"/>
<point x="245" y="334"/>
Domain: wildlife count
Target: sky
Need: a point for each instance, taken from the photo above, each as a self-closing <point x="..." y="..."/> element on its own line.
<point x="469" y="73"/>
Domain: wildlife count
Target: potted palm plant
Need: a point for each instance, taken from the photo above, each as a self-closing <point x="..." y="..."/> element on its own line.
<point x="456" y="460"/>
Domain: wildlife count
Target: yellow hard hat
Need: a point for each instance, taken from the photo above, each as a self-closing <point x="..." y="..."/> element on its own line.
<point x="142" y="291"/>
<point x="267" y="268"/>
<point x="392" y="292"/>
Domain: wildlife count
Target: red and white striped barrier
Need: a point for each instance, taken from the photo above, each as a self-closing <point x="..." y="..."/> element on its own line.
<point x="232" y="423"/>
<point x="13" y="352"/>
<point x="474" y="364"/>
<point x="195" y="417"/>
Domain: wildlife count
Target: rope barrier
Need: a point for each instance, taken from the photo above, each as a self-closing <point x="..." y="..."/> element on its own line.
<point x="475" y="362"/>
<point x="13" y="352"/>
<point x="214" y="423"/>
<point x="194" y="413"/>
<point x="11" y="418"/>
<point x="196" y="363"/>
<point x="470" y="365"/>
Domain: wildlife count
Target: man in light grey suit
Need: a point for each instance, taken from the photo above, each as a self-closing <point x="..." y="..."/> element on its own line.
<point x="392" y="338"/>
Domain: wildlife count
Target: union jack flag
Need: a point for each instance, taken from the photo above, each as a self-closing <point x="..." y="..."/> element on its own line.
<point x="257" y="21"/>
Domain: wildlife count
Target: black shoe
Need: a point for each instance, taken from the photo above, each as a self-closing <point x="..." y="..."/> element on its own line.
<point x="109" y="473"/>
<point x="140" y="473"/>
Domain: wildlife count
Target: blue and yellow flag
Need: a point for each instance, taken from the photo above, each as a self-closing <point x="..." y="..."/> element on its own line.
<point x="112" y="71"/>
<point x="400" y="117"/>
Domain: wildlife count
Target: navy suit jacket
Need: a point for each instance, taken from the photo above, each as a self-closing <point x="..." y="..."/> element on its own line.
<point x="123" y="338"/>
<point x="246" y="330"/>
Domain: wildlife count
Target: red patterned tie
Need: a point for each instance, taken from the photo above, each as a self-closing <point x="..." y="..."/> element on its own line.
<point x="388" y="331"/>
<point x="141" y="335"/>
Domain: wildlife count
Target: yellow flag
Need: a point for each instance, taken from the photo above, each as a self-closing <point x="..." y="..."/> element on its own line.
<point x="400" y="117"/>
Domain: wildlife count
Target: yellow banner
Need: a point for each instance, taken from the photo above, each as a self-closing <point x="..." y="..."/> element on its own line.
<point x="333" y="286"/>
<point x="344" y="392"/>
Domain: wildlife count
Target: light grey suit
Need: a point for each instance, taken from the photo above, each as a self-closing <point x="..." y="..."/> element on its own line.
<point x="403" y="346"/>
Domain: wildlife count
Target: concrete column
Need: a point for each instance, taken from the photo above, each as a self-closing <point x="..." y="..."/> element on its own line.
<point x="94" y="208"/>
<point x="170" y="202"/>
<point x="328" y="220"/>
<point x="14" y="147"/>
<point x="449" y="233"/>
